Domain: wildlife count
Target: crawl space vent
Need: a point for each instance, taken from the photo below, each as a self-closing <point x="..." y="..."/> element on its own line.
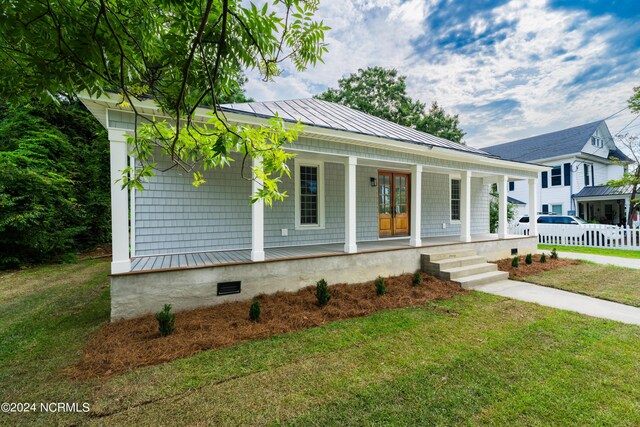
<point x="228" y="288"/>
<point x="514" y="251"/>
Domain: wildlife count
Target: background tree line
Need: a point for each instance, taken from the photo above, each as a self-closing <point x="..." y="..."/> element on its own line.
<point x="54" y="186"/>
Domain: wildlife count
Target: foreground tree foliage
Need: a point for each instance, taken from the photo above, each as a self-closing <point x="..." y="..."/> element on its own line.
<point x="54" y="191"/>
<point x="182" y="54"/>
<point x="381" y="92"/>
<point x="494" y="209"/>
<point x="630" y="180"/>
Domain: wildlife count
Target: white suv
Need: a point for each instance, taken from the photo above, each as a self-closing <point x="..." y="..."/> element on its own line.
<point x="571" y="227"/>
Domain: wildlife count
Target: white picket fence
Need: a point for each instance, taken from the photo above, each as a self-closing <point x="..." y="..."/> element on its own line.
<point x="591" y="235"/>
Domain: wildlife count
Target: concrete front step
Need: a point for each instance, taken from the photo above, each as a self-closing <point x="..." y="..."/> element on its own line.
<point x="483" y="278"/>
<point x="434" y="267"/>
<point x="464" y="271"/>
<point x="462" y="253"/>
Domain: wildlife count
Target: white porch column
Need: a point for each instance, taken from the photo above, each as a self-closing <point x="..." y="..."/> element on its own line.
<point x="465" y="206"/>
<point x="350" y="205"/>
<point x="257" y="218"/>
<point x="416" y="206"/>
<point x="503" y="226"/>
<point x="627" y="209"/>
<point x="118" y="154"/>
<point x="533" y="207"/>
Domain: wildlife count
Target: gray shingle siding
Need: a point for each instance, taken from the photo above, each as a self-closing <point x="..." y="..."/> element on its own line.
<point x="282" y="214"/>
<point x="172" y="216"/>
<point x="436" y="206"/>
<point x="366" y="204"/>
<point x="480" y="199"/>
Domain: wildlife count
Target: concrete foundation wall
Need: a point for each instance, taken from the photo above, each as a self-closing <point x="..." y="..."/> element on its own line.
<point x="134" y="295"/>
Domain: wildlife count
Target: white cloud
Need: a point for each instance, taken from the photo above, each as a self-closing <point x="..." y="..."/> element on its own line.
<point x="532" y="65"/>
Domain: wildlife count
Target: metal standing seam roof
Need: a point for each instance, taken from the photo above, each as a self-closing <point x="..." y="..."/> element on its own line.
<point x="515" y="201"/>
<point x="329" y="115"/>
<point x="553" y="144"/>
<point x="603" y="190"/>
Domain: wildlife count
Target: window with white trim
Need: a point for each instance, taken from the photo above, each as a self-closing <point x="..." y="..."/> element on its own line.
<point x="309" y="192"/>
<point x="556" y="176"/>
<point x="556" y="209"/>
<point x="455" y="200"/>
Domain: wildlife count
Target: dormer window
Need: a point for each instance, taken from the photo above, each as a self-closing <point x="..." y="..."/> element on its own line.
<point x="597" y="141"/>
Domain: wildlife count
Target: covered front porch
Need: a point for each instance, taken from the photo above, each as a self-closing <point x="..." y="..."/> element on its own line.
<point x="352" y="202"/>
<point x="234" y="257"/>
<point x="605" y="205"/>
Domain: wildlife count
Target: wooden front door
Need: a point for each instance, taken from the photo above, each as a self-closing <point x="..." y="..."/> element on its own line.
<point x="393" y="204"/>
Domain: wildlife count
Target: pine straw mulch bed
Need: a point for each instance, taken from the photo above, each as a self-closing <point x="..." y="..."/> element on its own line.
<point x="127" y="344"/>
<point x="524" y="270"/>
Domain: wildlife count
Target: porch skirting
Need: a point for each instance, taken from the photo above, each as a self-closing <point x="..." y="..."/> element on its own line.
<point x="142" y="292"/>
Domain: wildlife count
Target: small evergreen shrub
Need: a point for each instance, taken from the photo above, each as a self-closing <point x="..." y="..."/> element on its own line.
<point x="417" y="278"/>
<point x="543" y="258"/>
<point x="254" y="311"/>
<point x="528" y="259"/>
<point x="166" y="320"/>
<point x="381" y="288"/>
<point x="322" y="292"/>
<point x="515" y="262"/>
<point x="554" y="254"/>
<point x="70" y="258"/>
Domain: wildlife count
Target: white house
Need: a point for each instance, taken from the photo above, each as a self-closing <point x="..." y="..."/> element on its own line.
<point x="581" y="162"/>
<point x="366" y="197"/>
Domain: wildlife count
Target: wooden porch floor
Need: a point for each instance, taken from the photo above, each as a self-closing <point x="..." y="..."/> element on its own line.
<point x="204" y="259"/>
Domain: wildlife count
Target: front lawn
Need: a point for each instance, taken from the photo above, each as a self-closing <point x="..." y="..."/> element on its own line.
<point x="596" y="280"/>
<point x="623" y="253"/>
<point x="471" y="359"/>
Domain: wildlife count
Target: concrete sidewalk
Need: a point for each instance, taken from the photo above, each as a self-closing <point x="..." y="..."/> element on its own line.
<point x="598" y="259"/>
<point x="563" y="300"/>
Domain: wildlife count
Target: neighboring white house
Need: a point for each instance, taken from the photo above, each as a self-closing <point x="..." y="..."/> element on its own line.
<point x="581" y="162"/>
<point x="365" y="198"/>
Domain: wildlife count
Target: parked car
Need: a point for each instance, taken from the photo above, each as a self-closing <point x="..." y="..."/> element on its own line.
<point x="571" y="227"/>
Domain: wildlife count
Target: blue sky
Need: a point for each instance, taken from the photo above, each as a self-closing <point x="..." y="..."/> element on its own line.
<point x="510" y="69"/>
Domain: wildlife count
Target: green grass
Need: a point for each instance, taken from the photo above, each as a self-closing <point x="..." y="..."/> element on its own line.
<point x="475" y="359"/>
<point x="596" y="280"/>
<point x="593" y="251"/>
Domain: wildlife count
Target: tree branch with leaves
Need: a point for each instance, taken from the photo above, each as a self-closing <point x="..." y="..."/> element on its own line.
<point x="181" y="54"/>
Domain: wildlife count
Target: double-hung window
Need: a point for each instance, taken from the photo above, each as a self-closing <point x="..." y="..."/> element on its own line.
<point x="556" y="176"/>
<point x="309" y="189"/>
<point x="587" y="175"/>
<point x="455" y="200"/>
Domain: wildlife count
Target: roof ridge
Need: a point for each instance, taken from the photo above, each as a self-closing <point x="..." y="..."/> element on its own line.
<point x="550" y="133"/>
